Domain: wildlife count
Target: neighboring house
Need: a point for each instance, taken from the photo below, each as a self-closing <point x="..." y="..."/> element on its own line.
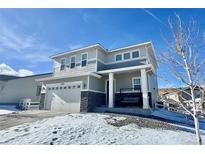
<point x="92" y="76"/>
<point x="172" y="96"/>
<point x="13" y="88"/>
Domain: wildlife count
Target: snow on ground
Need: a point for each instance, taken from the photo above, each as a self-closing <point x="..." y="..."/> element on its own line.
<point x="91" y="128"/>
<point x="7" y="109"/>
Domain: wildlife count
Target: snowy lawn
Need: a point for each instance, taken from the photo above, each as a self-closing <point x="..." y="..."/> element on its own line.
<point x="7" y="109"/>
<point x="91" y="128"/>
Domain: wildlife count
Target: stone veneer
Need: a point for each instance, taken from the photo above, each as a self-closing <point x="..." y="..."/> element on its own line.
<point x="90" y="100"/>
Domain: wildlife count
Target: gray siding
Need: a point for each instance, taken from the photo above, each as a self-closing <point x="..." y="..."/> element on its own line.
<point x="97" y="84"/>
<point x="16" y="89"/>
<point x="125" y="80"/>
<point x="84" y="80"/>
<point x="153" y="86"/>
<point x="111" y="56"/>
<point x="101" y="66"/>
<point x="91" y="67"/>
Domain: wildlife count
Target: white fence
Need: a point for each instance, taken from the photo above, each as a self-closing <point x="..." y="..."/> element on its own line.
<point x="179" y="109"/>
<point x="26" y="104"/>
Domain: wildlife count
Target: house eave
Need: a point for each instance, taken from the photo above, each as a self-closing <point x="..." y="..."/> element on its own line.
<point x="132" y="68"/>
<point x="66" y="77"/>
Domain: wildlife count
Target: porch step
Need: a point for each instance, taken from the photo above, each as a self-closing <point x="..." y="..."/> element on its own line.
<point x="131" y="111"/>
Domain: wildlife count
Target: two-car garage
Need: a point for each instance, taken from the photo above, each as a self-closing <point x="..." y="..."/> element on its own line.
<point x="64" y="96"/>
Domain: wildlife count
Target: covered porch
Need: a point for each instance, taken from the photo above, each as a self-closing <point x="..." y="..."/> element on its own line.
<point x="127" y="87"/>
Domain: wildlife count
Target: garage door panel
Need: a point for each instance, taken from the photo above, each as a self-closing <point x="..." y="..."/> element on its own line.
<point x="64" y="99"/>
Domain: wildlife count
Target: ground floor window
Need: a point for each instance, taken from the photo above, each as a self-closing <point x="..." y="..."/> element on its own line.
<point x="136" y="84"/>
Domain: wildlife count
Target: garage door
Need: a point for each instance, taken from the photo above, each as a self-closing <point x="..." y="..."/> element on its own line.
<point x="63" y="97"/>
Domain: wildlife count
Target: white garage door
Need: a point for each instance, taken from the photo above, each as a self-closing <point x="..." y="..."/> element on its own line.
<point x="63" y="97"/>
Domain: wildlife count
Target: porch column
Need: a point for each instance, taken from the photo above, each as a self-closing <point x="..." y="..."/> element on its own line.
<point x="144" y="89"/>
<point x="111" y="90"/>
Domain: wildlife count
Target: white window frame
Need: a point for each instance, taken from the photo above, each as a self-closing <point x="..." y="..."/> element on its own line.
<point x="85" y="53"/>
<point x="135" y="51"/>
<point x="71" y="61"/>
<point x="116" y="57"/>
<point x="124" y="56"/>
<point x="61" y="64"/>
<point x="67" y="62"/>
<point x="133" y="82"/>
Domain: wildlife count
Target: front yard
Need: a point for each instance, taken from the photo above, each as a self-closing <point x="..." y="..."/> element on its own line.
<point x="92" y="128"/>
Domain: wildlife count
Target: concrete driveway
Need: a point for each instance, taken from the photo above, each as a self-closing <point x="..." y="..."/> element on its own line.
<point x="10" y="120"/>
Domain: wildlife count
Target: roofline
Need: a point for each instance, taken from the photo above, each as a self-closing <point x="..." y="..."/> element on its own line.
<point x="130" y="46"/>
<point x="64" y="76"/>
<point x="109" y="51"/>
<point x="30" y="76"/>
<point x="78" y="49"/>
<point x="131" y="68"/>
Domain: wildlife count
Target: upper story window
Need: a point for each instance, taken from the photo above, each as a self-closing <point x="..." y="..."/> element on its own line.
<point x="135" y="54"/>
<point x="62" y="64"/>
<point x="68" y="62"/>
<point x="72" y="62"/>
<point x="126" y="56"/>
<point x="84" y="58"/>
<point x="118" y="57"/>
<point x="136" y="84"/>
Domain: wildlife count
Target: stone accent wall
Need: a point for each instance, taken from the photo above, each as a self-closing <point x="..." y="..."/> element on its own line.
<point x="90" y="100"/>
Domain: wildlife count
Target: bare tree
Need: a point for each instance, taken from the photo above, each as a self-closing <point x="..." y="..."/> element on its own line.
<point x="184" y="59"/>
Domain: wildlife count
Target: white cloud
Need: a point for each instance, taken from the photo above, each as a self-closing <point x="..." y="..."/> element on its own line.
<point x="154" y="16"/>
<point x="7" y="70"/>
<point x="21" y="46"/>
<point x="24" y="72"/>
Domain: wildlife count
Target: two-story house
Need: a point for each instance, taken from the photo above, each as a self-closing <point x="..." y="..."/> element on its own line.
<point x="92" y="76"/>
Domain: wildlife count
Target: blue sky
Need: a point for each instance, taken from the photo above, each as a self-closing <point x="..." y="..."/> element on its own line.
<point x="29" y="36"/>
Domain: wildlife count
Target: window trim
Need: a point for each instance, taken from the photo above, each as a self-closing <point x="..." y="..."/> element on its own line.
<point x="71" y="61"/>
<point x="133" y="78"/>
<point x="84" y="53"/>
<point x="136" y="51"/>
<point x="61" y="64"/>
<point x="124" y="56"/>
<point x="116" y="57"/>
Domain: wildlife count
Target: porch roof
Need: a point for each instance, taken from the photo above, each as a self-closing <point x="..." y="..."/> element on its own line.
<point x="126" y="69"/>
<point x="66" y="76"/>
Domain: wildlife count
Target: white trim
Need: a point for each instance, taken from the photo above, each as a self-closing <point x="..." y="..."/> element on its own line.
<point x="84" y="53"/>
<point x="88" y="83"/>
<point x="93" y="91"/>
<point x="138" y="77"/>
<point x="115" y="88"/>
<point x="125" y="69"/>
<point x="77" y="50"/>
<point x="71" y="61"/>
<point x="96" y="66"/>
<point x="98" y="45"/>
<point x="66" y="76"/>
<point x="95" y="75"/>
<point x="64" y="64"/>
<point x="131" y="46"/>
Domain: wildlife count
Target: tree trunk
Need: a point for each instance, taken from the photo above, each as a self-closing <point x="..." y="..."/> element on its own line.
<point x="198" y="137"/>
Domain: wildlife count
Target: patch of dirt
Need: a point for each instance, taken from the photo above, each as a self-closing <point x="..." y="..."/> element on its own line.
<point x="123" y="120"/>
